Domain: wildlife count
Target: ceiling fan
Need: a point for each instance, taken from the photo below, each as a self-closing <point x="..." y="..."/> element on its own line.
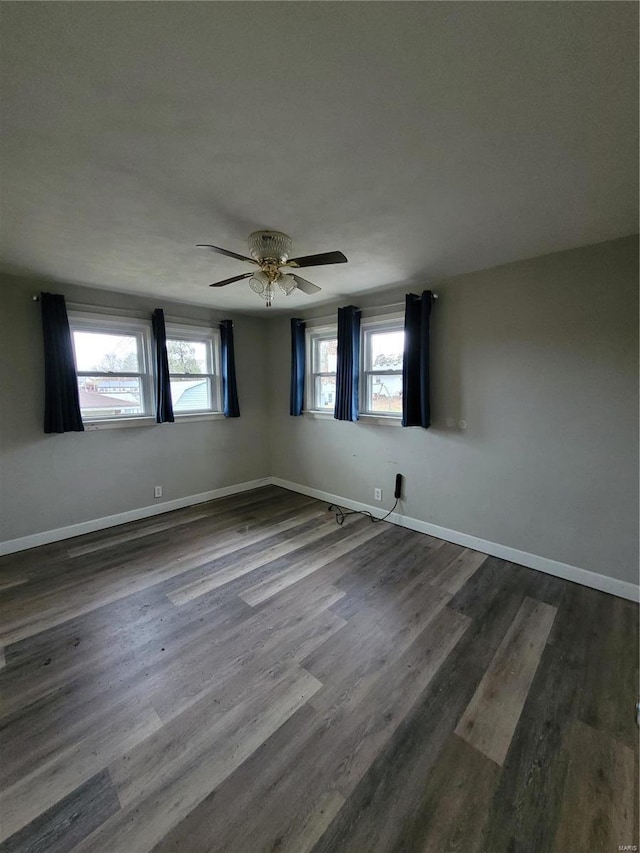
<point x="270" y="252"/>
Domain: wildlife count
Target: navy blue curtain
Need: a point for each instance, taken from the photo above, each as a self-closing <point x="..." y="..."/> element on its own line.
<point x="296" y="396"/>
<point x="231" y="407"/>
<point x="61" y="397"/>
<point x="348" y="365"/>
<point x="416" y="409"/>
<point x="164" y="404"/>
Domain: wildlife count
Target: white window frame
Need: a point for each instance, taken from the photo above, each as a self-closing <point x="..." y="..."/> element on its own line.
<point x="79" y="321"/>
<point x="387" y="323"/>
<point x="211" y="338"/>
<point x="312" y="337"/>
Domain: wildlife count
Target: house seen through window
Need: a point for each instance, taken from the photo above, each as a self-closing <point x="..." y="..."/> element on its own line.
<point x="194" y="359"/>
<point x="114" y="367"/>
<point x="382" y="348"/>
<point x="322" y="356"/>
<point x="112" y="363"/>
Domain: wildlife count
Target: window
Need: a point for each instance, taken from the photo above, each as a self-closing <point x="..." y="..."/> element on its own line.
<point x="381" y="356"/>
<point x="194" y="367"/>
<point x="382" y="347"/>
<point x="113" y="365"/>
<point x="322" y="354"/>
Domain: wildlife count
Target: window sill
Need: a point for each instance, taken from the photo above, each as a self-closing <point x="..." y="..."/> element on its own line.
<point x="317" y="413"/>
<point x="369" y="420"/>
<point x="120" y="423"/>
<point x="124" y="423"/>
<point x="198" y="416"/>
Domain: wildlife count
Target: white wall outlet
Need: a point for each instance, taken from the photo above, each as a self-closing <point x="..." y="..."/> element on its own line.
<point x="377" y="494"/>
<point x="157" y="491"/>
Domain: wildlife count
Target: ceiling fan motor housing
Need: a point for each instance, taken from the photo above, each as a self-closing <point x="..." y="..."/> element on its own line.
<point x="269" y="245"/>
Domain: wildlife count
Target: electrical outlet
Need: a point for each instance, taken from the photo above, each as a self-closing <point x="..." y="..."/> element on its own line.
<point x="157" y="491"/>
<point x="377" y="494"/>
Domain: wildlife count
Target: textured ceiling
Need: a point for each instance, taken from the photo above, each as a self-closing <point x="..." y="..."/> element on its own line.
<point x="421" y="139"/>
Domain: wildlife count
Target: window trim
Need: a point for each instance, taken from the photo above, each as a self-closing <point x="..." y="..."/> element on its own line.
<point x="211" y="337"/>
<point x="82" y="321"/>
<point x="312" y="335"/>
<point x="382" y="323"/>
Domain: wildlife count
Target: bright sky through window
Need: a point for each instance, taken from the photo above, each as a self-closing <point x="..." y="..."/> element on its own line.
<point x="93" y="348"/>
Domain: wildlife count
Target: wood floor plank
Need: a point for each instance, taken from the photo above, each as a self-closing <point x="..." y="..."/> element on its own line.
<point x="439" y="559"/>
<point x="491" y="718"/>
<point x="335" y="752"/>
<point x="453" y="811"/>
<point x="279" y="580"/>
<point x="598" y="805"/>
<point x="181" y="743"/>
<point x="352" y="658"/>
<point x="243" y="566"/>
<point x="401" y="561"/>
<point x="454" y="575"/>
<point x="69" y="821"/>
<point x="262" y="649"/>
<point x="103" y="667"/>
<point x="393" y="696"/>
<point x="385" y="811"/>
<point x="346" y="739"/>
<point x="115" y="540"/>
<point x="53" y="608"/>
<point x="226" y="820"/>
<point x="9" y="582"/>
<point x="596" y="634"/>
<point x="382" y="812"/>
<point x="534" y="774"/>
<point x="149" y="817"/>
<point x="58" y="776"/>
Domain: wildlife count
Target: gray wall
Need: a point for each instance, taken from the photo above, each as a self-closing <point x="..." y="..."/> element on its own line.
<point x="541" y="358"/>
<point x="57" y="480"/>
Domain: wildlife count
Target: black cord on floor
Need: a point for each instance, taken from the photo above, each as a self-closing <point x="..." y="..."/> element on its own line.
<point x="341" y="514"/>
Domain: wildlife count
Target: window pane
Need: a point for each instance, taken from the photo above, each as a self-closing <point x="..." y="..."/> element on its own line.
<point x="386" y="350"/>
<point x="191" y="395"/>
<point x="106" y="352"/>
<point x="385" y="394"/>
<point x="326" y="356"/>
<point x="110" y="396"/>
<point x="325" y="392"/>
<point x="188" y="356"/>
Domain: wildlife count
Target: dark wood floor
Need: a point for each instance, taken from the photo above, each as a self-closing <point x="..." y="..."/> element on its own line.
<point x="247" y="676"/>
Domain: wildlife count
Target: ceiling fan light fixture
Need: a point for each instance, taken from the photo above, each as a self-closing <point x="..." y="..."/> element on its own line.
<point x="263" y="286"/>
<point x="287" y="283"/>
<point x="259" y="282"/>
<point x="268" y="294"/>
<point x="270" y="244"/>
<point x="270" y="250"/>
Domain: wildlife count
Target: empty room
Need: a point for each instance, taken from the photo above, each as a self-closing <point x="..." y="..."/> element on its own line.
<point x="319" y="427"/>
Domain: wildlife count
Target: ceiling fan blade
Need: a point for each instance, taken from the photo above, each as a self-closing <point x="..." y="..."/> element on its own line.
<point x="231" y="280"/>
<point x="304" y="285"/>
<point x="225" y="252"/>
<point x="318" y="260"/>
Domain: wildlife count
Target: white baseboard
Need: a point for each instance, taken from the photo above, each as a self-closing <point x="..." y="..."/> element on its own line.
<point x="11" y="546"/>
<point x="622" y="589"/>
